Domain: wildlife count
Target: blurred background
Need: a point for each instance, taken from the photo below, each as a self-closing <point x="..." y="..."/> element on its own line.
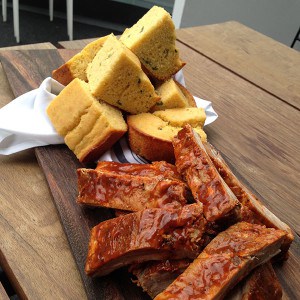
<point x="277" y="19"/>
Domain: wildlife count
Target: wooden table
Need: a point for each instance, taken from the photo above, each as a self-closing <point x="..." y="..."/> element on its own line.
<point x="253" y="83"/>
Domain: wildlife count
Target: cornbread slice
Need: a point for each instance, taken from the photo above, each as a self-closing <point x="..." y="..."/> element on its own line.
<point x="171" y="96"/>
<point x="151" y="136"/>
<point x="178" y="117"/>
<point x="76" y="66"/>
<point x="89" y="127"/>
<point x="115" y="76"/>
<point x="68" y="107"/>
<point x="152" y="39"/>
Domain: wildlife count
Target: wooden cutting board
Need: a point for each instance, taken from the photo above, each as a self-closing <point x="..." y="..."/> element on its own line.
<point x="25" y="71"/>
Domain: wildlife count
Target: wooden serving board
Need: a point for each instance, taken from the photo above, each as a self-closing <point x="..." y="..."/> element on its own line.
<point x="28" y="70"/>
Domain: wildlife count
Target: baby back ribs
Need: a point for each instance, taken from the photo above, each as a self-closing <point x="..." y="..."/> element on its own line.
<point x="151" y="234"/>
<point x="159" y="169"/>
<point x="128" y="192"/>
<point x="206" y="184"/>
<point x="261" y="284"/>
<point x="155" y="276"/>
<point x="253" y="210"/>
<point x="227" y="259"/>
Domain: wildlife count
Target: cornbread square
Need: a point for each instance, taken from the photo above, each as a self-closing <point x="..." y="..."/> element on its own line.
<point x="116" y="77"/>
<point x="66" y="109"/>
<point x="195" y="116"/>
<point x="89" y="127"/>
<point x="76" y="66"/>
<point x="171" y="96"/>
<point x="150" y="136"/>
<point x="152" y="39"/>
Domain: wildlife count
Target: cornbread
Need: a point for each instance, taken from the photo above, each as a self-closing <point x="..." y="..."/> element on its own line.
<point x="173" y="95"/>
<point x="89" y="127"/>
<point x="178" y="117"/>
<point x="115" y="76"/>
<point x="76" y="66"/>
<point x="151" y="135"/>
<point x="152" y="39"/>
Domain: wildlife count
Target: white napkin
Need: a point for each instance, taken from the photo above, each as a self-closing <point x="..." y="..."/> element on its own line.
<point x="24" y="123"/>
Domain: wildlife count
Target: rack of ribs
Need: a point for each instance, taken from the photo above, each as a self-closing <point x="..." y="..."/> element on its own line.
<point x="206" y="184"/>
<point x="228" y="258"/>
<point x="150" y="234"/>
<point x="155" y="276"/>
<point x="253" y="210"/>
<point x="129" y="192"/>
<point x="262" y="283"/>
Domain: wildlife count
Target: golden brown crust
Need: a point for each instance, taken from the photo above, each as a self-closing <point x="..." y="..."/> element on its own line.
<point x="187" y="94"/>
<point x="150" y="147"/>
<point x="105" y="144"/>
<point x="63" y="74"/>
<point x="156" y="79"/>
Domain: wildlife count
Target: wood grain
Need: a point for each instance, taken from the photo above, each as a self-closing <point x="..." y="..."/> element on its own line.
<point x="268" y="64"/>
<point x="39" y="46"/>
<point x="76" y="45"/>
<point x="34" y="251"/>
<point x="3" y="294"/>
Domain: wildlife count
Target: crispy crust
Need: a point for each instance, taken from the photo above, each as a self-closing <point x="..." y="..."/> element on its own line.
<point x="151" y="148"/>
<point x="187" y="94"/>
<point x="63" y="74"/>
<point x="156" y="79"/>
<point x="106" y="143"/>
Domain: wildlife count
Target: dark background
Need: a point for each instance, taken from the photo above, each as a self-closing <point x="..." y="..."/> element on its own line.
<point x="91" y="19"/>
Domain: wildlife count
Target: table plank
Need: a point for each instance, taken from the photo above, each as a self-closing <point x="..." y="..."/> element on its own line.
<point x="77" y="44"/>
<point x="268" y="64"/>
<point x="34" y="251"/>
<point x="258" y="133"/>
<point x="39" y="46"/>
<point x="59" y="165"/>
<point x="251" y="154"/>
<point x="3" y="294"/>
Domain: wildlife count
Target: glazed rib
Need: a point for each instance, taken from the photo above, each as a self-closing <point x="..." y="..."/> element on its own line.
<point x="225" y="261"/>
<point x="206" y="184"/>
<point x="151" y="234"/>
<point x="127" y="192"/>
<point x="253" y="210"/>
<point x="155" y="276"/>
<point x="159" y="169"/>
<point x="262" y="283"/>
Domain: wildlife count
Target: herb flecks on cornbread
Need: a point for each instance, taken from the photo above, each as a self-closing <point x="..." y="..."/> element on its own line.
<point x="116" y="77"/>
<point x="152" y="39"/>
<point x="171" y="96"/>
<point x="151" y="135"/>
<point x="76" y="66"/>
<point x="179" y="117"/>
<point x="89" y="127"/>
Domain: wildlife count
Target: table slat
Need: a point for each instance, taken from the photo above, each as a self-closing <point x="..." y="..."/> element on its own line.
<point x="268" y="64"/>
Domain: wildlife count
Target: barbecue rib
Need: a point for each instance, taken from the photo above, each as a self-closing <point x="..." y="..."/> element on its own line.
<point x="155" y="276"/>
<point x="225" y="260"/>
<point x="206" y="184"/>
<point x="253" y="211"/>
<point x="127" y="192"/>
<point x="261" y="284"/>
<point x="151" y="234"/>
<point x="160" y="169"/>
